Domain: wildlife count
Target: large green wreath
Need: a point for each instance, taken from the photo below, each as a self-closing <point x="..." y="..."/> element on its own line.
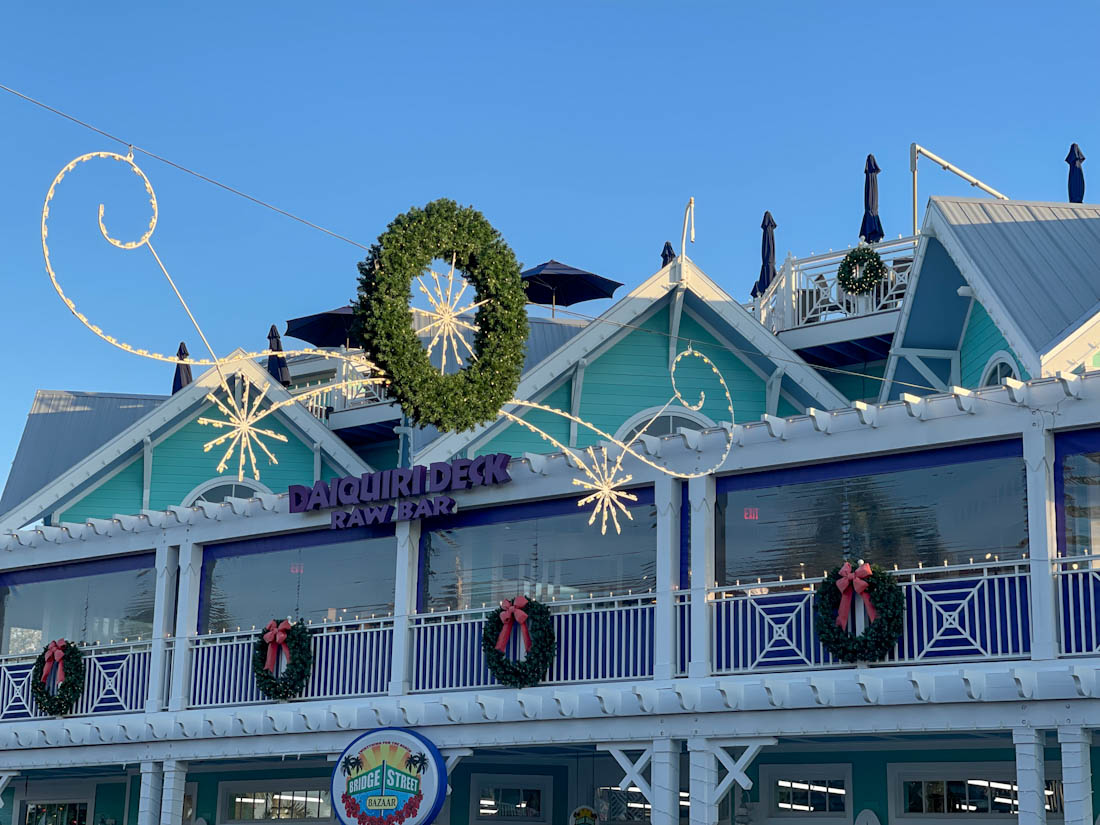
<point x="861" y="271"/>
<point x="68" y="692"/>
<point x="295" y="673"/>
<point x="529" y="671"/>
<point x="877" y="641"/>
<point x="474" y="394"/>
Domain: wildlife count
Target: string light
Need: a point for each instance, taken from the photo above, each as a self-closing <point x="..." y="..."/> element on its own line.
<point x="447" y="314"/>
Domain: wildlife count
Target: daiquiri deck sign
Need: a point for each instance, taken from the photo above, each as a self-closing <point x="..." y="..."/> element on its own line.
<point x="390" y="776"/>
<point x="401" y="494"/>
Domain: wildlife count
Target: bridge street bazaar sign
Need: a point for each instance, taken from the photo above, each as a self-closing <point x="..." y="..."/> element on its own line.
<point x="407" y="489"/>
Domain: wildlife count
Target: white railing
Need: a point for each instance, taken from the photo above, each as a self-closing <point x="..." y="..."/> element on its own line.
<point x="805" y="290"/>
<point x="974" y="612"/>
<point x="1077" y="594"/>
<point x="682" y="601"/>
<point x="597" y="640"/>
<point x="116" y="681"/>
<point x="349" y="659"/>
<point x="359" y="392"/>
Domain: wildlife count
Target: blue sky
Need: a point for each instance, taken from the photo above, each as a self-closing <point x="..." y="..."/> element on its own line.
<point x="579" y="129"/>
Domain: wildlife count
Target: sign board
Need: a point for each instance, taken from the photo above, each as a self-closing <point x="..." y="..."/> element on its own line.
<point x="389" y="776"/>
<point x="584" y="815"/>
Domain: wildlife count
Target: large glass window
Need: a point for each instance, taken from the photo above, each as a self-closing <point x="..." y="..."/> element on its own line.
<point x="57" y="813"/>
<point x="276" y="802"/>
<point x="1081" y="478"/>
<point x="553" y="556"/>
<point x="339" y="581"/>
<point x="83" y="602"/>
<point x="961" y="512"/>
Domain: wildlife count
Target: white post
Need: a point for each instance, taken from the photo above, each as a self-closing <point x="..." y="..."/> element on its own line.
<point x="1030" y="776"/>
<point x="787" y="290"/>
<point x="149" y="794"/>
<point x="664" y="775"/>
<point x="404" y="603"/>
<point x="173" y="787"/>
<point x="703" y="781"/>
<point x="1042" y="540"/>
<point x="1077" y="773"/>
<point x="665" y="639"/>
<point x="164" y="607"/>
<point x="701" y="497"/>
<point x="187" y="619"/>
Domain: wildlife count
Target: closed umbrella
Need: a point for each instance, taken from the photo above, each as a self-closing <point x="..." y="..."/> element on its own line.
<point x="668" y="254"/>
<point x="183" y="371"/>
<point x="1076" y="174"/>
<point x="556" y="283"/>
<point x="325" y="329"/>
<point x="871" y="229"/>
<point x="276" y="364"/>
<point x="767" y="256"/>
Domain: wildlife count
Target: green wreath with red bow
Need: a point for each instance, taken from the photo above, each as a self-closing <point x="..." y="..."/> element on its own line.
<point x="64" y="661"/>
<point x="536" y="627"/>
<point x="883" y="600"/>
<point x="291" y="641"/>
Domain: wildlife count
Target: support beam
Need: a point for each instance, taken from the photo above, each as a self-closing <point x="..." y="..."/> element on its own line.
<point x="1030" y="776"/>
<point x="5" y="778"/>
<point x="735" y="770"/>
<point x="404" y="603"/>
<point x="1042" y="538"/>
<point x="187" y="620"/>
<point x="665" y="784"/>
<point x="164" y="608"/>
<point x="173" y="784"/>
<point x="453" y="757"/>
<point x="146" y="471"/>
<point x="149" y="794"/>
<point x="703" y="780"/>
<point x="576" y="391"/>
<point x="701" y="494"/>
<point x="675" y="312"/>
<point x="1076" y="773"/>
<point x="665" y="653"/>
<point x="633" y="770"/>
<point x="771" y="390"/>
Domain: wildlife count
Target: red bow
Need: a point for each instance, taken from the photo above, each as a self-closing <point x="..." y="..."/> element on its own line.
<point x="275" y="636"/>
<point x="848" y="582"/>
<point x="511" y="613"/>
<point x="55" y="653"/>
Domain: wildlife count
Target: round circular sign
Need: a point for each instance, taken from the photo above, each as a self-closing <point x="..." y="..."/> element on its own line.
<point x="389" y="776"/>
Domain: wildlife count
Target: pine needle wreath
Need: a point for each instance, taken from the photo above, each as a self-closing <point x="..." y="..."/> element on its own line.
<point x="876" y="642"/>
<point x="290" y="682"/>
<point x="531" y="670"/>
<point x="474" y="394"/>
<point x="861" y="271"/>
<point x="68" y="692"/>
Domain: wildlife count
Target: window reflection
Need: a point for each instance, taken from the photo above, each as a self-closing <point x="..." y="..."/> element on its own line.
<point x="558" y="556"/>
<point x="1081" y="474"/>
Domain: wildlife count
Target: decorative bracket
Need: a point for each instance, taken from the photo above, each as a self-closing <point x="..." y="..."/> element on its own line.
<point x="5" y="778"/>
<point x="633" y="770"/>
<point x="735" y="769"/>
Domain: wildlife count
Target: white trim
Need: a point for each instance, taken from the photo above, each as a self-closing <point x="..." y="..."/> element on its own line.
<point x="999" y="357"/>
<point x="540" y="782"/>
<point x="704" y="421"/>
<point x="1077" y="345"/>
<point x="189" y="788"/>
<point x="307" y="783"/>
<point x="217" y="481"/>
<point x="769" y="773"/>
<point x="55" y="792"/>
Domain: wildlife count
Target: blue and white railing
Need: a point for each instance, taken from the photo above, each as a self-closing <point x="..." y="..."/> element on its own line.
<point x="1077" y="597"/>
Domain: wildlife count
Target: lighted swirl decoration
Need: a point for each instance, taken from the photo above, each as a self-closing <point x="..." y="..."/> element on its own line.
<point x="602" y="478"/>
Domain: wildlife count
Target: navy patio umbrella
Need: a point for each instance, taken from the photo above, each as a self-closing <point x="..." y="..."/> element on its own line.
<point x="1076" y="174"/>
<point x="668" y="254"/>
<point x="767" y="256"/>
<point x="871" y="230"/>
<point x="183" y="371"/>
<point x="556" y="283"/>
<point x="276" y="364"/>
<point x="324" y="329"/>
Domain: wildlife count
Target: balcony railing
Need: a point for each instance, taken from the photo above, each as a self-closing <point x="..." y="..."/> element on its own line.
<point x="806" y="292"/>
<point x="1077" y="595"/>
<point x="357" y="393"/>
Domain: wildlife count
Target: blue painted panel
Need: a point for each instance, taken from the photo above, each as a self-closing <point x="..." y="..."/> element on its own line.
<point x="936" y="311"/>
<point x="53" y="572"/>
<point x="515" y="439"/>
<point x="980" y="342"/>
<point x="119" y="494"/>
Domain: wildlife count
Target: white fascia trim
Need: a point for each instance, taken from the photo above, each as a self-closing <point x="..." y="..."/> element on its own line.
<point x="1074" y="349"/>
<point x="906" y="307"/>
<point x="983" y="291"/>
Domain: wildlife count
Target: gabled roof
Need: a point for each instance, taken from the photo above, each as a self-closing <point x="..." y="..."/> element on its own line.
<point x="129" y="441"/>
<point x="63" y="428"/>
<point x="680" y="274"/>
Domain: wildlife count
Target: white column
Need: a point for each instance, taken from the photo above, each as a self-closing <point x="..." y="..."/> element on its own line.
<point x="1077" y="773"/>
<point x="701" y="496"/>
<point x="703" y="781"/>
<point x="174" y="784"/>
<point x="1030" y="776"/>
<point x="164" y="610"/>
<point x="665" y="639"/>
<point x="149" y="794"/>
<point x="664" y="775"/>
<point x="187" y="619"/>
<point x="404" y="603"/>
<point x="1042" y="540"/>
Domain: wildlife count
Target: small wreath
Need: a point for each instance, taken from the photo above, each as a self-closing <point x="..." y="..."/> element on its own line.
<point x="529" y="671"/>
<point x="475" y="393"/>
<point x="876" y="642"/>
<point x="293" y="641"/>
<point x="861" y="271"/>
<point x="67" y="662"/>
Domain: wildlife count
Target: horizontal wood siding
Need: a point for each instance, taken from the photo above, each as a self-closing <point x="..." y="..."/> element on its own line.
<point x="517" y="440"/>
<point x="118" y="494"/>
<point x="980" y="341"/>
<point x="380" y="456"/>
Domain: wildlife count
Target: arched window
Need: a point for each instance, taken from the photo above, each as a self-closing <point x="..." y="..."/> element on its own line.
<point x="668" y="422"/>
<point x="1001" y="366"/>
<point x="217" y="490"/>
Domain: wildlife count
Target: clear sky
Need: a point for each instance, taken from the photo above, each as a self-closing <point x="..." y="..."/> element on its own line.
<point x="580" y="129"/>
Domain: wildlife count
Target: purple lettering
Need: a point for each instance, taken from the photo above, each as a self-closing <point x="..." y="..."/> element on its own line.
<point x="401" y="478"/>
<point x="337" y="522"/>
<point x="405" y="510"/>
<point x="444" y="505"/>
<point x="379" y="515"/>
<point x="347" y="490"/>
<point x="355" y="518"/>
<point x="299" y="495"/>
<point x="368" y="487"/>
<point x="496" y="468"/>
<point x="419" y="471"/>
<point x="460" y="474"/>
<point x="439" y="477"/>
<point x="318" y="499"/>
<point x="477" y="477"/>
<point x="424" y="508"/>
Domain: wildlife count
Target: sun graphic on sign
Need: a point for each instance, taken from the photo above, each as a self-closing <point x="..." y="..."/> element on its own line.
<point x="447" y="314"/>
<point x="242" y="434"/>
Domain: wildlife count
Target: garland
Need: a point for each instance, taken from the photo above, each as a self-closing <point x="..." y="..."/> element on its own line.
<point x="537" y="627"/>
<point x="474" y="394"/>
<point x="66" y="661"/>
<point x="861" y="271"/>
<point x="406" y="811"/>
<point x="292" y="640"/>
<point x="886" y="608"/>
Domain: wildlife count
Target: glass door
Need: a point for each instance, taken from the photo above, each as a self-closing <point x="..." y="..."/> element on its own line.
<point x="56" y="813"/>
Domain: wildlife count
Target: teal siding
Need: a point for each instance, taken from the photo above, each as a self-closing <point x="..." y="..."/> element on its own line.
<point x="980" y="341"/>
<point x="118" y="494"/>
<point x="110" y="802"/>
<point x="862" y="387"/>
<point x="381" y="456"/>
<point x="517" y="439"/>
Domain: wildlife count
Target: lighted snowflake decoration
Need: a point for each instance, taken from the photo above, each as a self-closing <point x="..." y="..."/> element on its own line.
<point x="447" y="314"/>
<point x="240" y="421"/>
<point x="603" y="480"/>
